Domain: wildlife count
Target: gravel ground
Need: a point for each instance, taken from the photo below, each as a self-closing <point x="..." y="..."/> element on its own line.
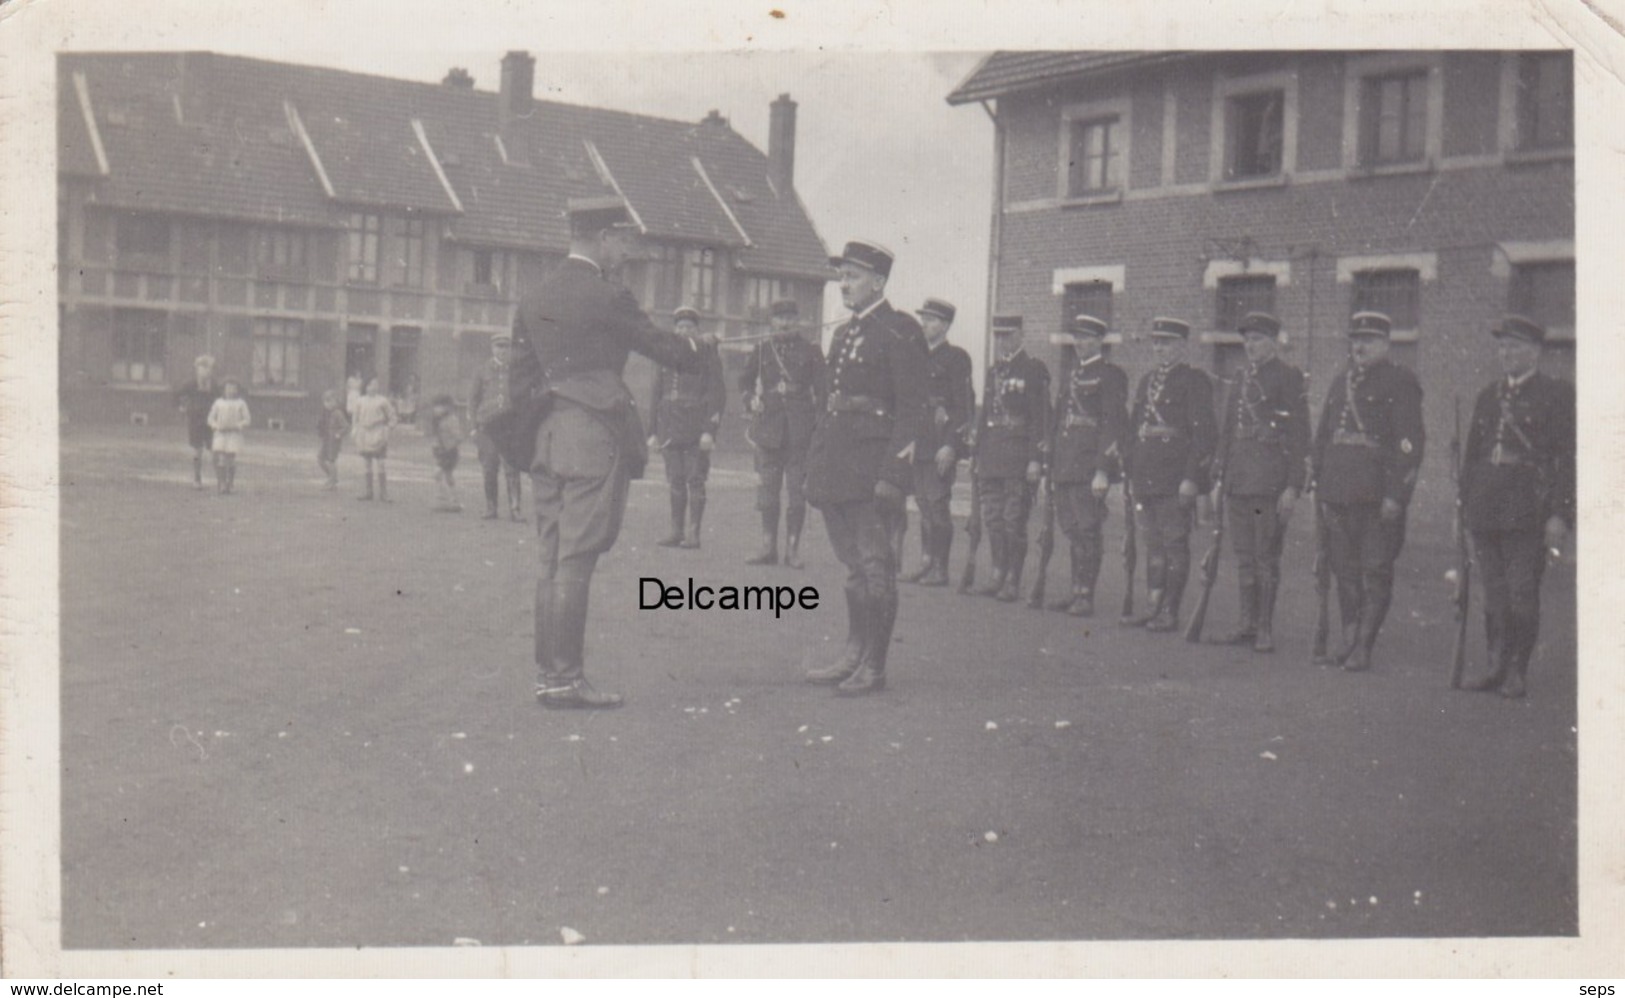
<point x="290" y="719"/>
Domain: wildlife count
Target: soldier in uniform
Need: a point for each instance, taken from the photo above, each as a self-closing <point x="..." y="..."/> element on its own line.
<point x="860" y="463"/>
<point x="1091" y="413"/>
<point x="686" y="416"/>
<point x="194" y="399"/>
<point x="487" y="398"/>
<point x="783" y="389"/>
<point x="1170" y="458"/>
<point x="576" y="429"/>
<point x="1010" y="448"/>
<point x="1262" y="465"/>
<point x="1368" y="448"/>
<point x="1517" y="496"/>
<point x="952" y="401"/>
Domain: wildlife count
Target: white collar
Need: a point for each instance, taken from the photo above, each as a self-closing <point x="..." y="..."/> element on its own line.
<point x="1520" y="379"/>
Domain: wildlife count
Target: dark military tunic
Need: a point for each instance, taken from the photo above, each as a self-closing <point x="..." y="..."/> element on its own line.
<point x="689" y="404"/>
<point x="952" y="401"/>
<point x="1517" y="473"/>
<point x="875" y="407"/>
<point x="1091" y="414"/>
<point x="786" y="373"/>
<point x="1015" y="417"/>
<point x="1265" y="443"/>
<point x="1368" y="447"/>
<point x="1173" y="432"/>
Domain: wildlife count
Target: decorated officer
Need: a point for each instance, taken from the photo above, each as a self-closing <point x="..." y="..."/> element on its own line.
<point x="952" y="401"/>
<point x="1010" y="449"/>
<point x="782" y="385"/>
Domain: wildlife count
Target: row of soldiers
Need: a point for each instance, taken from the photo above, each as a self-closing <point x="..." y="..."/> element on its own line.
<point x="1169" y="448"/>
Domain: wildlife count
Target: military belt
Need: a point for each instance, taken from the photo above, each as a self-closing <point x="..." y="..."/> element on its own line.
<point x="1148" y="432"/>
<point x="1073" y="419"/>
<point x="839" y="402"/>
<point x="1353" y="439"/>
<point x="1007" y="422"/>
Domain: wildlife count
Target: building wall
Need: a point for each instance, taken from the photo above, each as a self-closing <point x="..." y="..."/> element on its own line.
<point x="1466" y="214"/>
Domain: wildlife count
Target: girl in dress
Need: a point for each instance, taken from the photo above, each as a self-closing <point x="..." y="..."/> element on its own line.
<point x="374" y="416"/>
<point x="228" y="418"/>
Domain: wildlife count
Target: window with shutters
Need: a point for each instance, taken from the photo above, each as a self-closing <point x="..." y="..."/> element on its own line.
<point x="1254" y="134"/>
<point x="1394" y="118"/>
<point x="1095" y="163"/>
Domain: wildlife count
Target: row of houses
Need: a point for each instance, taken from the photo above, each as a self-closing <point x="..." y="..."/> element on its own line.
<point x="304" y="224"/>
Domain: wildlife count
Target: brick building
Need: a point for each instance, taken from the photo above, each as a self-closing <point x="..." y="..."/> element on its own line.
<point x="1435" y="186"/>
<point x="305" y="224"/>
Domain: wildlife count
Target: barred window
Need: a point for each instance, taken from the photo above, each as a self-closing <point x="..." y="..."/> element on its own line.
<point x="1239" y="295"/>
<point x="277" y="347"/>
<point x="1544" y="292"/>
<point x="1087" y="298"/>
<point x="138" y="346"/>
<point x="407" y="248"/>
<point x="1396" y="293"/>
<point x="1095" y="164"/>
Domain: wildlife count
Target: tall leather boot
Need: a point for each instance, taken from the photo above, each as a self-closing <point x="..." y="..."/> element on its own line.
<point x="547" y="680"/>
<point x="857" y="639"/>
<point x="1521" y="632"/>
<point x="383" y="487"/>
<point x="696" y="516"/>
<point x="1073" y="563"/>
<point x="870" y="676"/>
<point x="1371" y="616"/>
<point x="769" y="554"/>
<point x="996" y="550"/>
<point x="490" y="494"/>
<point x="516" y="506"/>
<point x="1246" y="629"/>
<point x="367" y="494"/>
<point x="1010" y="592"/>
<point x="942" y="542"/>
<point x="897" y="534"/>
<point x="1494" y="629"/>
<point x="1083" y="600"/>
<point x="569" y="689"/>
<point x="1167" y="616"/>
<point x="1264" y="642"/>
<point x="1349" y="601"/>
<point x="679" y="505"/>
<point x="794" y="520"/>
<point x="927" y="553"/>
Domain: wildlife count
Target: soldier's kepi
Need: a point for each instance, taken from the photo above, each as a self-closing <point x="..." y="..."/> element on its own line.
<point x="952" y="404"/>
<point x="1091" y="414"/>
<point x="1517" y="496"/>
<point x="1011" y="441"/>
<point x="861" y="461"/>
<point x="1368" y="448"/>
<point x="1170" y="455"/>
<point x="1261" y="468"/>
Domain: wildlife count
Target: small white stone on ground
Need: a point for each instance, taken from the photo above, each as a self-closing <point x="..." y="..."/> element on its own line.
<point x="1267" y="755"/>
<point x="602" y="891"/>
<point x="991" y="836"/>
<point x="992" y="725"/>
<point x="1063" y="724"/>
<point x="465" y="941"/>
<point x="829" y="738"/>
<point x="801" y="730"/>
<point x="468" y="767"/>
<point x="404" y="869"/>
<point x="352" y="630"/>
<point x="571" y="936"/>
<point x="458" y="734"/>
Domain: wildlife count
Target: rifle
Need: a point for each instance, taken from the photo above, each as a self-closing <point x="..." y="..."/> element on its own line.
<point x="1046" y="544"/>
<point x="1131" y="556"/>
<point x="1464" y="564"/>
<point x="973" y="527"/>
<point x="1210" y="573"/>
<point x="1323" y="590"/>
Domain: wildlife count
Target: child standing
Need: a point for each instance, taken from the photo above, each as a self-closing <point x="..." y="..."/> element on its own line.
<point x="374" y="416"/>
<point x="228" y="418"/>
<point x="330" y="430"/>
<point x="446" y="432"/>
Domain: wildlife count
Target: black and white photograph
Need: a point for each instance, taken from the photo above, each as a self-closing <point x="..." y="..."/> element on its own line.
<point x="588" y="490"/>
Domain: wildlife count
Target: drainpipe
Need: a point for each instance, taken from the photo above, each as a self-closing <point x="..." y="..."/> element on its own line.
<point x="997" y="234"/>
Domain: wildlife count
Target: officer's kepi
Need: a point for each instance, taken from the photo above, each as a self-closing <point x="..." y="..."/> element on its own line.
<point x="1006" y="325"/>
<point x="1518" y="327"/>
<point x="1170" y="328"/>
<point x="866" y="254"/>
<point x="1262" y="323"/>
<point x="1371" y="324"/>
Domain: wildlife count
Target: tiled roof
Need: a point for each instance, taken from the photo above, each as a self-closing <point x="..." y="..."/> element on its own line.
<point x="1010" y="72"/>
<point x="209" y="134"/>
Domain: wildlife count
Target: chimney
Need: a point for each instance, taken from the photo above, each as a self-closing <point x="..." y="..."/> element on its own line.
<point x="457" y="78"/>
<point x="714" y="120"/>
<point x="781" y="143"/>
<point x="515" y="100"/>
